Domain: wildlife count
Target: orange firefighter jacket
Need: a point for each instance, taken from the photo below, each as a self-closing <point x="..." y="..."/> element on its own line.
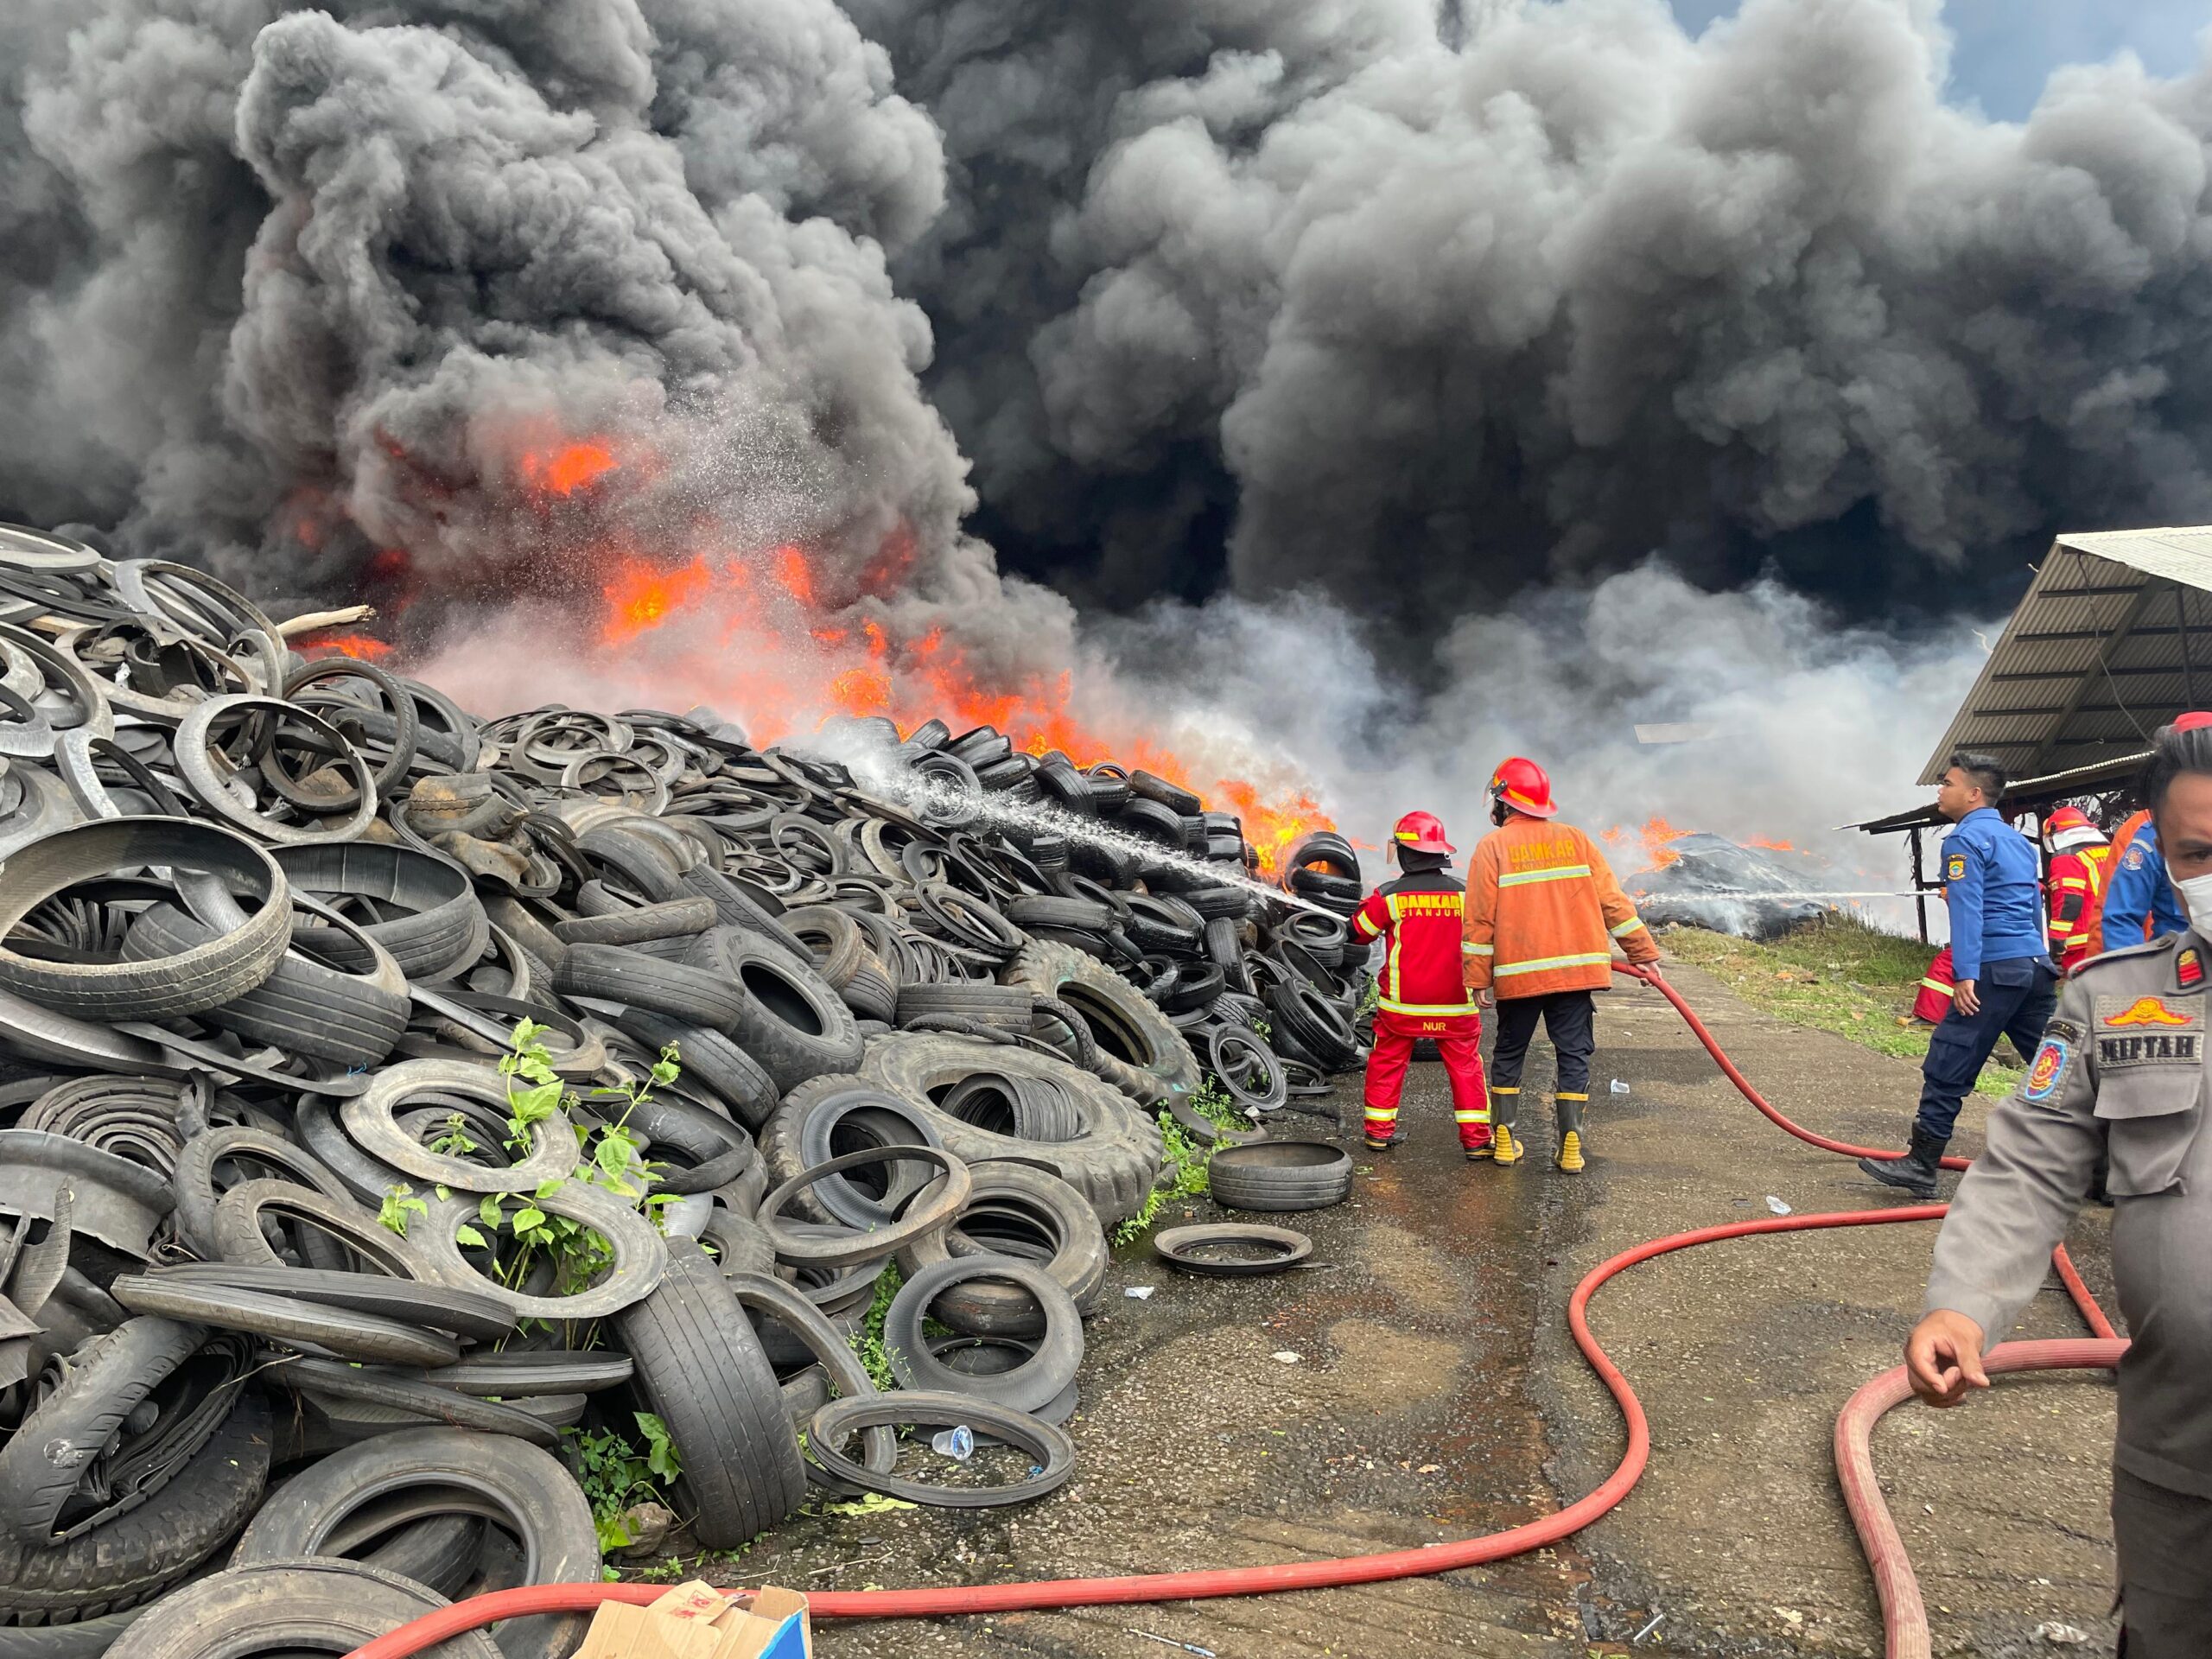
<point x="1544" y="911"/>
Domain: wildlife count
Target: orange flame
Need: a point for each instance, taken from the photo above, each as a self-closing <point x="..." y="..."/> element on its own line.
<point x="793" y="576"/>
<point x="360" y="647"/>
<point x="780" y="640"/>
<point x="640" y="597"/>
<point x="1657" y="833"/>
<point x="566" y="468"/>
<point x="864" y="669"/>
<point x="1657" y="837"/>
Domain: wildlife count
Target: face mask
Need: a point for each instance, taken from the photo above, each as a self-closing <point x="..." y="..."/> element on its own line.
<point x="2197" y="899"/>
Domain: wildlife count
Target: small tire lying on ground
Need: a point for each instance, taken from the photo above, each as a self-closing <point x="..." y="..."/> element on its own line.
<point x="287" y="1608"/>
<point x="1011" y="1201"/>
<point x="1277" y="1249"/>
<point x="1027" y="1387"/>
<point x="1281" y="1175"/>
<point x="1050" y="1448"/>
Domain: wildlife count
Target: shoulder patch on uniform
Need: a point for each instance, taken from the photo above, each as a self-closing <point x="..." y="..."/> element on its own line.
<point x="2135" y="861"/>
<point x="2047" y="1072"/>
<point x="1954" y="867"/>
<point x="2188" y="969"/>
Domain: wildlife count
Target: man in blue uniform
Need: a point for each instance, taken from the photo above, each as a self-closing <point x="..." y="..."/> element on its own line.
<point x="2005" y="983"/>
<point x="2139" y="901"/>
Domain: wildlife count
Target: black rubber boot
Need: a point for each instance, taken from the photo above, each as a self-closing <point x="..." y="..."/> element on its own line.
<point x="1916" y="1172"/>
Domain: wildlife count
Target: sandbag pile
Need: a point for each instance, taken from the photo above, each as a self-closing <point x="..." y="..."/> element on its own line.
<point x="386" y="1092"/>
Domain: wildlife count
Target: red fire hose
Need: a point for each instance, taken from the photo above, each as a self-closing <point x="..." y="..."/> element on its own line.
<point x="480" y="1611"/>
<point x="1904" y="1617"/>
<point x="2067" y="1274"/>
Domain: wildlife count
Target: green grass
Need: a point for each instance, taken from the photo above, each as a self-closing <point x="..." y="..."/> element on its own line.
<point x="1185" y="1173"/>
<point x="867" y="1341"/>
<point x="1836" y="975"/>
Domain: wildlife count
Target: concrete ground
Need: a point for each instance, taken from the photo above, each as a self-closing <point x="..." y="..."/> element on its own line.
<point x="1434" y="1393"/>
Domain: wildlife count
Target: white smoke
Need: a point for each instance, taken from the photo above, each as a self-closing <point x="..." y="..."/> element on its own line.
<point x="1812" y="725"/>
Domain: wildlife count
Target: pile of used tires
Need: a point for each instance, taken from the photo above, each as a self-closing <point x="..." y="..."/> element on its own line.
<point x="316" y="1263"/>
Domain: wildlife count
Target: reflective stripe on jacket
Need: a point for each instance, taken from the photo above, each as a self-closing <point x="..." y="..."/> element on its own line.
<point x="1544" y="912"/>
<point x="1420" y="914"/>
<point x="2076" y="885"/>
<point x="1933" y="1000"/>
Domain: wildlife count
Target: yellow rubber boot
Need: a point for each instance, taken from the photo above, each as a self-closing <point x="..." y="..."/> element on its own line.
<point x="1567" y="1106"/>
<point x="1503" y="1147"/>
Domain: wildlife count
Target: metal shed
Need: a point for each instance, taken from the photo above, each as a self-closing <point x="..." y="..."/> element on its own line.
<point x="2112" y="638"/>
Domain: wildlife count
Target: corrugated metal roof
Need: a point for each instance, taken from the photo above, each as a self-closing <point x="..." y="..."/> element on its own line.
<point x="2112" y="638"/>
<point x="2024" y="794"/>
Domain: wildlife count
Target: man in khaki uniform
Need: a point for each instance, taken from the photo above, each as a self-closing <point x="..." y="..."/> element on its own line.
<point x="2121" y="1072"/>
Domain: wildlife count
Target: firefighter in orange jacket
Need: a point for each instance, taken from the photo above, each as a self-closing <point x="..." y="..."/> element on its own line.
<point x="2079" y="858"/>
<point x="1543" y="913"/>
<point x="1422" y="991"/>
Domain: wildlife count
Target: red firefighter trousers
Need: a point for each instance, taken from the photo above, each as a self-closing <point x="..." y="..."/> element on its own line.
<point x="1459" y="1039"/>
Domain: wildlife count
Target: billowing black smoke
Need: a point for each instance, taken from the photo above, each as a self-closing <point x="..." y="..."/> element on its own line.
<point x="1421" y="310"/>
<point x="323" y="297"/>
<point x="1413" y="304"/>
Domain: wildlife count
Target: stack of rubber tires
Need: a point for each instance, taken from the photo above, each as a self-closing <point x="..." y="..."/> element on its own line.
<point x="317" y="1280"/>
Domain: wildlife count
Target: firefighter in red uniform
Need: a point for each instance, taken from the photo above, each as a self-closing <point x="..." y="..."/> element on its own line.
<point x="1421" y="915"/>
<point x="2080" y="858"/>
<point x="1933" y="1000"/>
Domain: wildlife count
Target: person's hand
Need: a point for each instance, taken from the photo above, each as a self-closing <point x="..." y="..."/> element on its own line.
<point x="1942" y="1356"/>
<point x="1966" y="999"/>
<point x="1486" y="999"/>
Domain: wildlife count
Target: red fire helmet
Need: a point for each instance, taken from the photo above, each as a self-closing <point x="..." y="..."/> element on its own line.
<point x="1524" y="785"/>
<point x="2069" y="827"/>
<point x="1423" y="832"/>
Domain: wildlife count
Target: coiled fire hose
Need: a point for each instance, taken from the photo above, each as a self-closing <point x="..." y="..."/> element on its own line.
<point x="1905" y="1619"/>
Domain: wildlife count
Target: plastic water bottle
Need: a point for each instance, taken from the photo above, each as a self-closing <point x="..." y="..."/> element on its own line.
<point x="958" y="1442"/>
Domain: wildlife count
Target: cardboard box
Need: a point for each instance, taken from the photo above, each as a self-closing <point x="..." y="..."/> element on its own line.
<point x="697" y="1621"/>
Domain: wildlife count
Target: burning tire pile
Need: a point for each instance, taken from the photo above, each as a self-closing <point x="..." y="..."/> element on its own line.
<point x="393" y="1099"/>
